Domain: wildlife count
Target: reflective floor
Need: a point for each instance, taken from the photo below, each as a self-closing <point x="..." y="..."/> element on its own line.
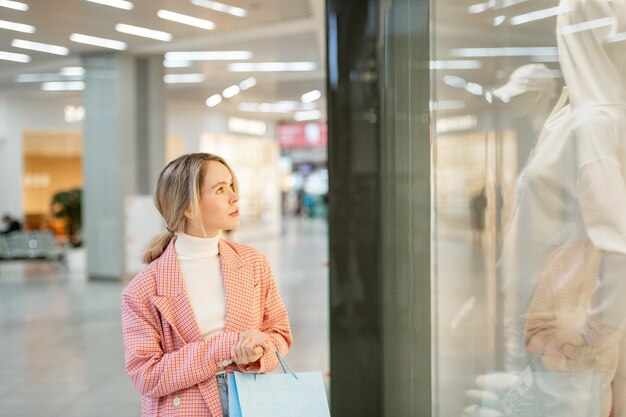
<point x="61" y="352"/>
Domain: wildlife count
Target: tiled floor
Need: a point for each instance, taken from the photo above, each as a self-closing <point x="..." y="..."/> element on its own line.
<point x="61" y="352"/>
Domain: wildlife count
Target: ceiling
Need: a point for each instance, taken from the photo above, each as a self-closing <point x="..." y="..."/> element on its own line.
<point x="272" y="30"/>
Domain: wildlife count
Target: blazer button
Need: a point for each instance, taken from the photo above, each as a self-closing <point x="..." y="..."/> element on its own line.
<point x="176" y="401"/>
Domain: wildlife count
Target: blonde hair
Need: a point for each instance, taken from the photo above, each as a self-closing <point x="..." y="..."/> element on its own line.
<point x="178" y="189"/>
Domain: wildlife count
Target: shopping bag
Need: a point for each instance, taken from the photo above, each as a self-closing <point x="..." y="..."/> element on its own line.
<point x="289" y="394"/>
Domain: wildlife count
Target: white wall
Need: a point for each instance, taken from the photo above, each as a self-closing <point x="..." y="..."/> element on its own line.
<point x="20" y="113"/>
<point x="191" y="120"/>
<point x="17" y="114"/>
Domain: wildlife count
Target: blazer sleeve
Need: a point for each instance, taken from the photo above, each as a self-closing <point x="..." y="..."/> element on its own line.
<point x="156" y="373"/>
<point x="275" y="324"/>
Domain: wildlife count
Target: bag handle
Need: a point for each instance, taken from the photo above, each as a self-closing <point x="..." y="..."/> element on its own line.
<point x="284" y="363"/>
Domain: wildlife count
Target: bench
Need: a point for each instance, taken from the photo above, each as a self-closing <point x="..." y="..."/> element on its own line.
<point x="30" y="245"/>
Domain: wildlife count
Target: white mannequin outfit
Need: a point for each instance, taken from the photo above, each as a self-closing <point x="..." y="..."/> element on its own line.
<point x="564" y="258"/>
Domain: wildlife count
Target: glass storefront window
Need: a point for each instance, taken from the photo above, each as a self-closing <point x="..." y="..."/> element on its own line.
<point x="529" y="239"/>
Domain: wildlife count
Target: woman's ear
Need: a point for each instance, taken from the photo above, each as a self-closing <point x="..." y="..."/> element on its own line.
<point x="187" y="213"/>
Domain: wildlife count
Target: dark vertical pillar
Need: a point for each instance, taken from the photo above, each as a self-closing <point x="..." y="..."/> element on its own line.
<point x="380" y="215"/>
<point x="354" y="217"/>
<point x="406" y="207"/>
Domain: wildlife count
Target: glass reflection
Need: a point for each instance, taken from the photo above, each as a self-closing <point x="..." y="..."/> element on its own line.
<point x="530" y="232"/>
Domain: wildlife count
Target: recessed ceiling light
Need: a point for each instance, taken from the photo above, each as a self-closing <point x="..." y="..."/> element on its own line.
<point x="455" y="64"/>
<point x="72" y="71"/>
<point x="538" y="15"/>
<point x="120" y="4"/>
<point x="220" y="7"/>
<point x="278" y="107"/>
<point x="311" y="96"/>
<point x="247" y="83"/>
<point x="183" y="78"/>
<point x="93" y="40"/>
<point x="11" y="56"/>
<point x="143" y="32"/>
<point x="63" y="86"/>
<point x="271" y="66"/>
<point x="176" y="64"/>
<point x="37" y="78"/>
<point x="18" y="27"/>
<point x="40" y="47"/>
<point x="231" y="91"/>
<point x="16" y="5"/>
<point x="208" y="56"/>
<point x="307" y="115"/>
<point x="186" y="20"/>
<point x="507" y="51"/>
<point x="214" y="100"/>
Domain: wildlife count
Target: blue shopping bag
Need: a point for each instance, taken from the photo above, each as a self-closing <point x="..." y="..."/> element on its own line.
<point x="290" y="394"/>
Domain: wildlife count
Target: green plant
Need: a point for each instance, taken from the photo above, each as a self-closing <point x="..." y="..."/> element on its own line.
<point x="67" y="205"/>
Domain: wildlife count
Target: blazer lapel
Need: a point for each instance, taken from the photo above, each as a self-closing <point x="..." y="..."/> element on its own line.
<point x="238" y="287"/>
<point x="172" y="300"/>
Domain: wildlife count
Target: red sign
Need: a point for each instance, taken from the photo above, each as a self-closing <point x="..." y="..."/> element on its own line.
<point x="302" y="135"/>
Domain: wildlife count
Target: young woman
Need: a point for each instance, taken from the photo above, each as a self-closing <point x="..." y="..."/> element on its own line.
<point x="203" y="307"/>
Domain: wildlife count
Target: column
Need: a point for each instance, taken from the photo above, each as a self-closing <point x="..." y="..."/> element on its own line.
<point x="124" y="150"/>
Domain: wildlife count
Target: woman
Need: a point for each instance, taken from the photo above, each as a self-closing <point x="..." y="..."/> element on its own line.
<point x="203" y="307"/>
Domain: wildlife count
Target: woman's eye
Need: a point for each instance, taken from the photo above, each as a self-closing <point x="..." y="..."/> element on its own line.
<point x="220" y="190"/>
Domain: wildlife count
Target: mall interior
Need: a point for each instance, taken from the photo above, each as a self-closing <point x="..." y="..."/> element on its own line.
<point x="438" y="186"/>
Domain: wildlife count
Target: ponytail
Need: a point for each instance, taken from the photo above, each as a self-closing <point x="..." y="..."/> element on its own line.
<point x="157" y="246"/>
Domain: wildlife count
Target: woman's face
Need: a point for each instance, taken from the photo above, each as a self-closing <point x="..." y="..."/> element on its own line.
<point x="218" y="202"/>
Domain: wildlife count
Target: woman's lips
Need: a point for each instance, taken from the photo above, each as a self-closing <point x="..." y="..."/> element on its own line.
<point x="234" y="214"/>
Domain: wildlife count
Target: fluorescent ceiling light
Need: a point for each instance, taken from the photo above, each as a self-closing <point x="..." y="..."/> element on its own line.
<point x="37" y="78"/>
<point x="214" y="100"/>
<point x="474" y="88"/>
<point x="41" y="47"/>
<point x="447" y="105"/>
<point x="492" y="4"/>
<point x="72" y="71"/>
<point x="120" y="4"/>
<point x="176" y="64"/>
<point x="538" y="15"/>
<point x="271" y="66"/>
<point x="18" y="27"/>
<point x="247" y="83"/>
<point x="11" y="56"/>
<point x="143" y="32"/>
<point x="278" y="107"/>
<point x="63" y="86"/>
<point x="220" y="7"/>
<point x="498" y="20"/>
<point x="618" y="37"/>
<point x="186" y="20"/>
<point x="311" y="96"/>
<point x="307" y="115"/>
<point x="92" y="40"/>
<point x="208" y="56"/>
<point x="494" y="52"/>
<point x="591" y="24"/>
<point x="183" y="78"/>
<point x="16" y="5"/>
<point x="455" y="64"/>
<point x="454" y="81"/>
<point x="231" y="91"/>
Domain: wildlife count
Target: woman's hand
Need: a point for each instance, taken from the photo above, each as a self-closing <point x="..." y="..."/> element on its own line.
<point x="252" y="344"/>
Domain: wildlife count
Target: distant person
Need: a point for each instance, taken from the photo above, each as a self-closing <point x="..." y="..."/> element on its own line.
<point x="204" y="307"/>
<point x="478" y="206"/>
<point x="12" y="225"/>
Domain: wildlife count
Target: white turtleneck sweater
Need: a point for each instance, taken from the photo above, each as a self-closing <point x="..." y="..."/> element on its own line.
<point x="200" y="266"/>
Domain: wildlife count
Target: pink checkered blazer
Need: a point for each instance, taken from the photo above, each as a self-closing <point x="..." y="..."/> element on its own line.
<point x="167" y="359"/>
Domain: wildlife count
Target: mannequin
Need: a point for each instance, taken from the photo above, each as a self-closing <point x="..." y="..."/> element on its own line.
<point x="527" y="97"/>
<point x="565" y="253"/>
